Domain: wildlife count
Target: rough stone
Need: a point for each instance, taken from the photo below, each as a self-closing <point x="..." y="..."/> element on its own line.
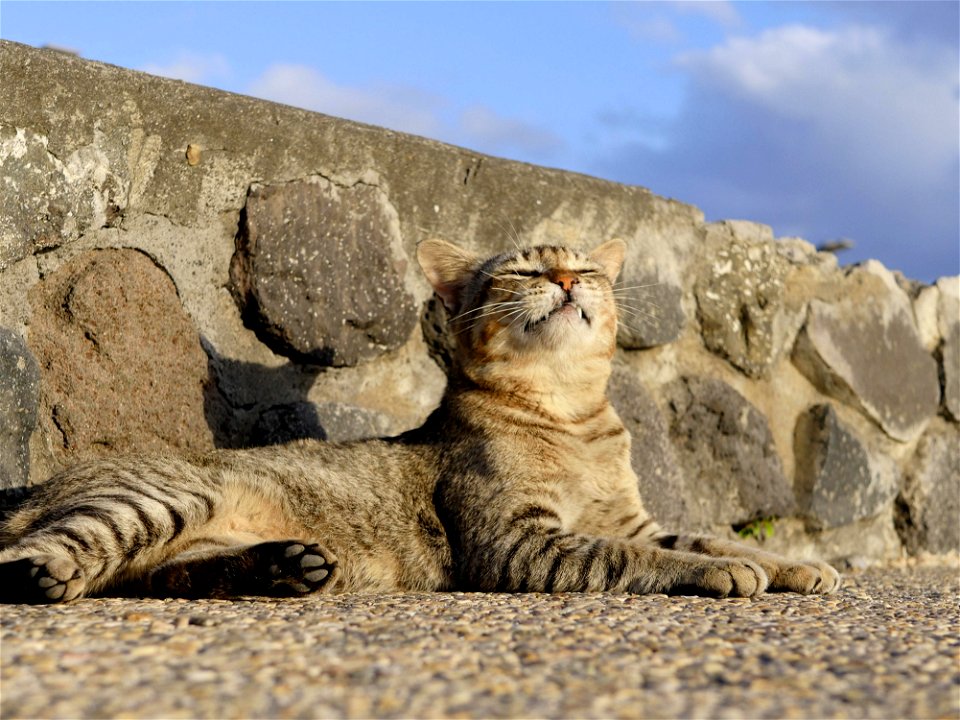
<point x="662" y="486"/>
<point x="837" y="482"/>
<point x="929" y="504"/>
<point x="864" y="350"/>
<point x="121" y="364"/>
<point x="948" y="322"/>
<point x="650" y="307"/>
<point x="19" y="393"/>
<point x="335" y="422"/>
<point x="320" y="271"/>
<point x="727" y="454"/>
<point x="740" y="299"/>
<point x="47" y="201"/>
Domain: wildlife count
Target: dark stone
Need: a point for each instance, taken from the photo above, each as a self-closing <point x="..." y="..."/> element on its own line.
<point x="950" y="372"/>
<point x="836" y="482"/>
<point x="284" y="423"/>
<point x="727" y="454"/>
<point x="19" y="392"/>
<point x="661" y="483"/>
<point x="121" y="363"/>
<point x="868" y="354"/>
<point x="928" y="507"/>
<point x="319" y="272"/>
<point x="650" y="312"/>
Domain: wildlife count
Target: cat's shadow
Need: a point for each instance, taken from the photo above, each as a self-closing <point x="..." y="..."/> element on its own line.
<point x="252" y="405"/>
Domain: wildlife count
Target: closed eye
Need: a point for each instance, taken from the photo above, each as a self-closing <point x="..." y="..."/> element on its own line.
<point x="523" y="273"/>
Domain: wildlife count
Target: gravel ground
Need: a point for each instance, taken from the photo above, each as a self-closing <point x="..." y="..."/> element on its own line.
<point x="885" y="646"/>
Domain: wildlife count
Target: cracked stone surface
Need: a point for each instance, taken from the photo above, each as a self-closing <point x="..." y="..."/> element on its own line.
<point x="319" y="271"/>
<point x="929" y="504"/>
<point x="19" y="394"/>
<point x="838" y="482"/>
<point x="121" y="365"/>
<point x="864" y="350"/>
<point x="740" y="299"/>
<point x="726" y="453"/>
<point x="662" y="486"/>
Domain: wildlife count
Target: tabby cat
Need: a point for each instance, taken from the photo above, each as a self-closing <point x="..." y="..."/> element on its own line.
<point x="520" y="481"/>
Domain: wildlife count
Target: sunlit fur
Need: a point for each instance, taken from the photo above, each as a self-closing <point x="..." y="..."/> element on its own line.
<point x="519" y="481"/>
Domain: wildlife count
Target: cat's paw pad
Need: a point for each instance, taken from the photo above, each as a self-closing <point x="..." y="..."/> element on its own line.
<point x="41" y="579"/>
<point x="301" y="568"/>
<point x="725" y="577"/>
<point x="806" y="578"/>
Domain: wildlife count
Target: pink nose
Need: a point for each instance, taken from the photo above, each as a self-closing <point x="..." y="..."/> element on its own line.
<point x="565" y="280"/>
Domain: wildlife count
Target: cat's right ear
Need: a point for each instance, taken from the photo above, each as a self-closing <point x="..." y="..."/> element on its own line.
<point x="448" y="268"/>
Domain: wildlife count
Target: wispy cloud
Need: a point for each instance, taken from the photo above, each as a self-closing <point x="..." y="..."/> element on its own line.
<point x="407" y="109"/>
<point x="820" y="132"/>
<point x="192" y="67"/>
<point x="400" y="108"/>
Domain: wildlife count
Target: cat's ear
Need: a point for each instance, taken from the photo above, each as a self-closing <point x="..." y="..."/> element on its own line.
<point x="447" y="267"/>
<point x="610" y="257"/>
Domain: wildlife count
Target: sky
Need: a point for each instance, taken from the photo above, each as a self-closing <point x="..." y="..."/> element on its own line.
<point x="825" y="120"/>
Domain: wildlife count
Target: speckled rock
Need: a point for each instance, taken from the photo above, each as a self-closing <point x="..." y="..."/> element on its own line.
<point x="19" y="391"/>
<point x="948" y="322"/>
<point x="650" y="306"/>
<point x="726" y="453"/>
<point x="837" y="482"/>
<point x="662" y="486"/>
<point x="319" y="271"/>
<point x="740" y="297"/>
<point x="864" y="349"/>
<point x="48" y="200"/>
<point x="121" y="365"/>
<point x="929" y="504"/>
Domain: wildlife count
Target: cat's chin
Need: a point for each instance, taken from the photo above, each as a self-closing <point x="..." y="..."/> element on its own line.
<point x="570" y="313"/>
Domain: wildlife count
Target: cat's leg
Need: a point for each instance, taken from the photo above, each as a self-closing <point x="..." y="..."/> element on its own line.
<point x="100" y="523"/>
<point x="279" y="568"/>
<point x="807" y="577"/>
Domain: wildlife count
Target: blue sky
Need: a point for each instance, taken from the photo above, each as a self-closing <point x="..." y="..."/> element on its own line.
<point x="825" y="120"/>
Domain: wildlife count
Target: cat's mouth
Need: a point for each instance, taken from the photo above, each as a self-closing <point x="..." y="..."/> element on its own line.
<point x="569" y="308"/>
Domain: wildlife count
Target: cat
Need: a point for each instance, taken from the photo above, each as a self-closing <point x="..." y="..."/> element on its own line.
<point x="520" y="481"/>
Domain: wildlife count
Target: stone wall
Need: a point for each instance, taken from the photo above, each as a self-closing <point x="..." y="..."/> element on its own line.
<point x="182" y="268"/>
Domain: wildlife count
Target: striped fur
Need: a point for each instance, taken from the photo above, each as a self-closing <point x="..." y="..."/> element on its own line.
<point x="520" y="481"/>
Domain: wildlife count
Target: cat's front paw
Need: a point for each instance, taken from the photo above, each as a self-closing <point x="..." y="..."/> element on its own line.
<point x="808" y="578"/>
<point x="300" y="568"/>
<point x="40" y="579"/>
<point x="724" y="577"/>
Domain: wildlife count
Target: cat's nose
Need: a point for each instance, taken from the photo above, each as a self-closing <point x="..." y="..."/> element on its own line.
<point x="565" y="280"/>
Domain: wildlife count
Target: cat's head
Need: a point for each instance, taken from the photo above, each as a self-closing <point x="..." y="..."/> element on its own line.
<point x="538" y="304"/>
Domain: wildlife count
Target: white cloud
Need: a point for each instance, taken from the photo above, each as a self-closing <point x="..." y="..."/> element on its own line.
<point x="721" y="12"/>
<point x="482" y="126"/>
<point x="849" y="131"/>
<point x="869" y="100"/>
<point x="404" y="108"/>
<point x="192" y="67"/>
<point x="398" y="108"/>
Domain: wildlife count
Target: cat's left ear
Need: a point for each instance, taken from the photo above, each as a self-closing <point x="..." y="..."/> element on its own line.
<point x="610" y="257"/>
<point x="447" y="267"/>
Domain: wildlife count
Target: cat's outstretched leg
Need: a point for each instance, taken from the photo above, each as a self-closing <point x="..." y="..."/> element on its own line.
<point x="806" y="577"/>
<point x="280" y="568"/>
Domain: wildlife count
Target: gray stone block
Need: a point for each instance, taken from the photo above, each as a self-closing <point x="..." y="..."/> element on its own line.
<point x="19" y="393"/>
<point x="740" y="304"/>
<point x="927" y="514"/>
<point x="837" y="481"/>
<point x="662" y="486"/>
<point x="650" y="310"/>
<point x="727" y="454"/>
<point x="319" y="272"/>
<point x="869" y="355"/>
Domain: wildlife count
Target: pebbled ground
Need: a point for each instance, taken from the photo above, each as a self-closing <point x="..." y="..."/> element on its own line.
<point x="887" y="645"/>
